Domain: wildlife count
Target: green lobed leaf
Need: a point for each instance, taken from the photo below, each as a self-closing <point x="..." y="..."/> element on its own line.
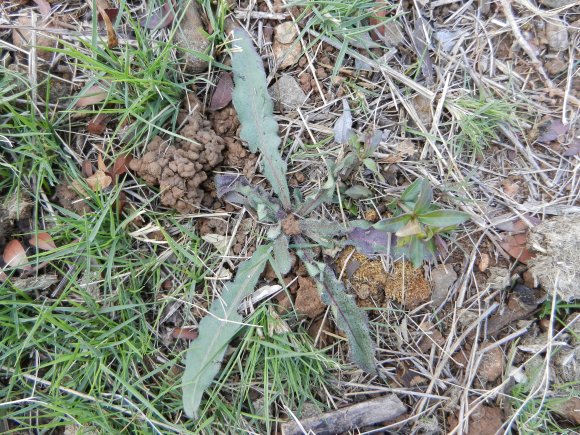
<point x="255" y="112"/>
<point x="217" y="329"/>
<point x="444" y="218"/>
<point x="349" y="317"/>
<point x="238" y="190"/>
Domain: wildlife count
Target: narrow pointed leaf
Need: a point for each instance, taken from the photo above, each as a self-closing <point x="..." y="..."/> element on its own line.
<point x="255" y="112"/>
<point x="352" y="320"/>
<point x="392" y="224"/>
<point x="444" y="218"/>
<point x="217" y="329"/>
<point x="412" y="192"/>
<point x="358" y="192"/>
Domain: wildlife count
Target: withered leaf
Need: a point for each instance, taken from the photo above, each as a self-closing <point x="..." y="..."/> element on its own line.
<point x="14" y="255"/>
<point x="99" y="180"/>
<point x="112" y="40"/>
<point x="43" y="241"/>
<point x="121" y="165"/>
<point x="93" y="95"/>
<point x="551" y="130"/>
<point x="516" y="247"/>
<point x="222" y="94"/>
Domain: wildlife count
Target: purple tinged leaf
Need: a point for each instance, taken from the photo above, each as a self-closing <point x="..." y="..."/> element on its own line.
<point x="222" y="94"/>
<point x="372" y="142"/>
<point x="552" y="130"/>
<point x="371" y="241"/>
<point x="343" y="127"/>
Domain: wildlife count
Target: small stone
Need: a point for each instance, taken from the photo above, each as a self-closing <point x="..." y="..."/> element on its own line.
<point x="286" y="33"/>
<point x="557" y="35"/>
<point x="191" y="36"/>
<point x="570" y="409"/>
<point x="492" y="365"/>
<point x="287" y="92"/>
<point x="442" y="278"/>
<point x="555" y="66"/>
<point x="286" y="47"/>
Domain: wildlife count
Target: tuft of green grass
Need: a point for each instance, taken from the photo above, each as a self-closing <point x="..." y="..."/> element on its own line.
<point x="479" y="120"/>
<point x="346" y="21"/>
<point x="271" y="369"/>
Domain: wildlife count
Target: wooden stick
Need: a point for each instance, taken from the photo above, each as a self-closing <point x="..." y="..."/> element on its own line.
<point x="352" y="417"/>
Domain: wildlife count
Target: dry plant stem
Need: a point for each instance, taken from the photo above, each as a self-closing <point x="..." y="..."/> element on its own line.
<point x="349" y="418"/>
<point x="509" y="15"/>
<point x="242" y="14"/>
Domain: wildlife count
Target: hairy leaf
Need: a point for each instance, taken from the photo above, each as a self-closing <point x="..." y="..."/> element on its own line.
<point x="281" y="258"/>
<point x="444" y="218"/>
<point x="321" y="229"/>
<point x="217" y="329"/>
<point x="349" y="317"/>
<point x="237" y="189"/>
<point x="255" y="112"/>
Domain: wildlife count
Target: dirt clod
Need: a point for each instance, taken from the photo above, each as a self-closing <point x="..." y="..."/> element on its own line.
<point x="485" y="420"/>
<point x="308" y="301"/>
<point x="179" y="170"/>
